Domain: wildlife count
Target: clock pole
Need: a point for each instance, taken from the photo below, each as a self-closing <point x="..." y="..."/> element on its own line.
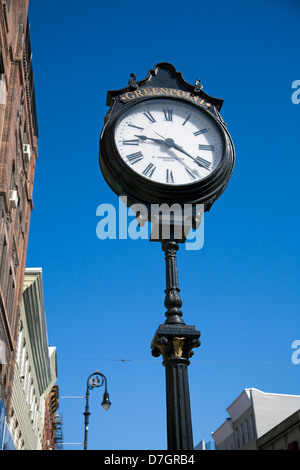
<point x="140" y="174"/>
<point x="174" y="341"/>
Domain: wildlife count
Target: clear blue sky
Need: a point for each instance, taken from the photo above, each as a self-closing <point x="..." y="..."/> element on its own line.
<point x="104" y="299"/>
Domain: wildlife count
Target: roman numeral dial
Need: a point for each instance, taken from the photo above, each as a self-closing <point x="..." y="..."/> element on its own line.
<point x="205" y="163"/>
<point x="135" y="157"/>
<point x="168" y="141"/>
<point x="149" y="117"/>
<point x="169" y="176"/>
<point x="149" y="170"/>
<point x="168" y="114"/>
<point x="206" y="147"/>
<point x="201" y="131"/>
<point x="131" y="142"/>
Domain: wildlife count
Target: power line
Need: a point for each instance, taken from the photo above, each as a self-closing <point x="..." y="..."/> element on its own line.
<point x="194" y="361"/>
<point x="97" y="359"/>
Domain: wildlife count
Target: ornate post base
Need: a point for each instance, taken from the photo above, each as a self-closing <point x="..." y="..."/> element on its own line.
<point x="174" y="340"/>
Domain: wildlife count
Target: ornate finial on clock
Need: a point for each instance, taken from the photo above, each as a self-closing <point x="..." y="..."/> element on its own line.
<point x="198" y="87"/>
<point x="132" y="82"/>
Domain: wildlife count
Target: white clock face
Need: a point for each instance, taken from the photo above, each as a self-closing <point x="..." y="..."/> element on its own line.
<point x="169" y="141"/>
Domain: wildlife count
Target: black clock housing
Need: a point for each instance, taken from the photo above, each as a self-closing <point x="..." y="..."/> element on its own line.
<point x="163" y="81"/>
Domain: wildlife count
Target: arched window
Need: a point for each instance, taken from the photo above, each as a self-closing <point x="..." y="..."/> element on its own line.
<point x="23" y="358"/>
<point x="13" y="177"/>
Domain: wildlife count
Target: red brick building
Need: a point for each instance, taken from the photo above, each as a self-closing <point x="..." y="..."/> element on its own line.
<point x="52" y="439"/>
<point x="18" y="153"/>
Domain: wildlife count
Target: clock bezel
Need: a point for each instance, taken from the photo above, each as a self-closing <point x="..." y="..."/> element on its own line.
<point x="125" y="181"/>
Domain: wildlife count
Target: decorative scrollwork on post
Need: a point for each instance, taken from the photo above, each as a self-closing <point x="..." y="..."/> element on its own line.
<point x="176" y="347"/>
<point x="96" y="381"/>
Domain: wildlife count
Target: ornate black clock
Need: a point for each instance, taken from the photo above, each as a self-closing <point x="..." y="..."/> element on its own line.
<point x="164" y="141"/>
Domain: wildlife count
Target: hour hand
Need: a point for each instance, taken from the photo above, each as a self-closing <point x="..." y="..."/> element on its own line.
<point x="143" y="137"/>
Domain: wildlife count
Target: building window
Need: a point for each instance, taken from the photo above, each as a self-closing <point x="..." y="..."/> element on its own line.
<point x="25" y="135"/>
<point x="11" y="421"/>
<point x="22" y="366"/>
<point x="21" y="105"/>
<point x="242" y="434"/>
<point x="247" y="430"/>
<point x="19" y="440"/>
<point x="19" y="347"/>
<point x="27" y="384"/>
<point x="31" y="393"/>
<point x="2" y="82"/>
<point x="237" y="438"/>
<point x="1" y="67"/>
<point x="35" y="419"/>
<point x="26" y="374"/>
<point x="10" y="296"/>
<point x="3" y="262"/>
<point x="32" y="404"/>
<point x="15" y="434"/>
<point x="252" y="427"/>
<point x="13" y="177"/>
<point x="6" y="7"/>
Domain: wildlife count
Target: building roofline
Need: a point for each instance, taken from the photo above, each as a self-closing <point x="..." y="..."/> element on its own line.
<point x="251" y="389"/>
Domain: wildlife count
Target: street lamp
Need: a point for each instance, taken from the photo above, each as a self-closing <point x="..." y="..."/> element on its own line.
<point x="95" y="380"/>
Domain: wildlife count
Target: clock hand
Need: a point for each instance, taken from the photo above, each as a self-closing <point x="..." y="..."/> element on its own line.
<point x="143" y="137"/>
<point x="192" y="172"/>
<point x="171" y="143"/>
<point x="159" y="141"/>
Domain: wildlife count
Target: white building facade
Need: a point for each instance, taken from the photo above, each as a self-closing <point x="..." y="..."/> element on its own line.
<point x="253" y="414"/>
<point x="34" y="376"/>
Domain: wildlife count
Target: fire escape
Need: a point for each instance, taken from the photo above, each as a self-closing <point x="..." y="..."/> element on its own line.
<point x="57" y="425"/>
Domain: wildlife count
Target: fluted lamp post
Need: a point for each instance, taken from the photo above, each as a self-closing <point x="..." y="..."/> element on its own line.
<point x="174" y="341"/>
<point x="95" y="380"/>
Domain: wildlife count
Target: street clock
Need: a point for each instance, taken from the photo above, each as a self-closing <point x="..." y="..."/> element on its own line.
<point x="164" y="141"/>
